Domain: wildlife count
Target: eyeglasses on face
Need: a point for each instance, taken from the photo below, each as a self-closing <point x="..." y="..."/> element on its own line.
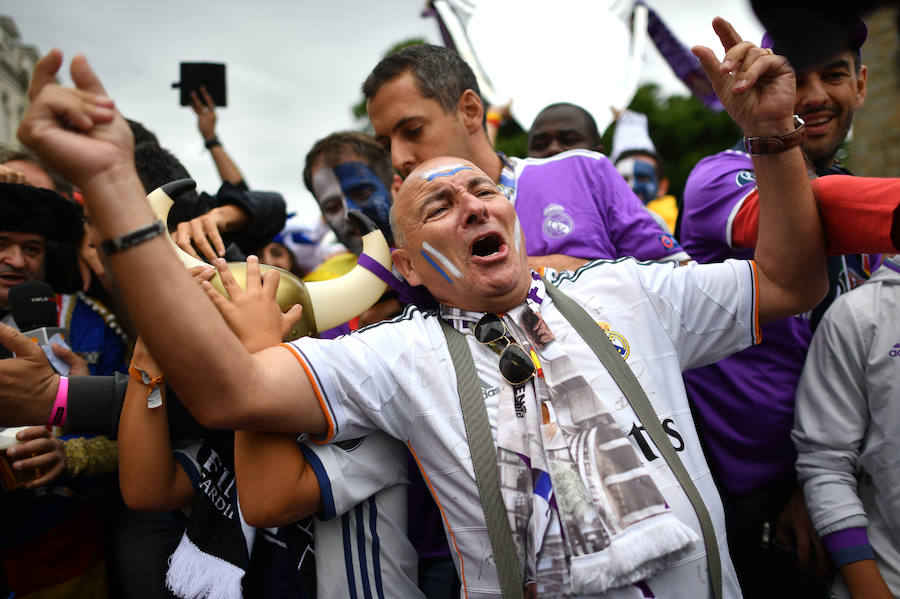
<point x="516" y="365"/>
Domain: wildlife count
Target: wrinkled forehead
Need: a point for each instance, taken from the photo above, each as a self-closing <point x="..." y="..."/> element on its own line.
<point x="435" y="173"/>
<point x="448" y="171"/>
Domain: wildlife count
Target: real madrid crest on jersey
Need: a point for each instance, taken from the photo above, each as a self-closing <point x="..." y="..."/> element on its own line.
<point x="617" y="339"/>
<point x="744" y="177"/>
<point x="557" y="222"/>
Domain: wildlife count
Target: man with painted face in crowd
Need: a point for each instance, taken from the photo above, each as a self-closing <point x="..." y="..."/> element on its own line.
<point x="453" y="209"/>
<point x="349" y="171"/>
<point x="744" y="404"/>
<point x="637" y="160"/>
<point x="423" y="102"/>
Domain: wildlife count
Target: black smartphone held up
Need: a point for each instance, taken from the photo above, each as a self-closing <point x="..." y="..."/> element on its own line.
<point x="210" y="75"/>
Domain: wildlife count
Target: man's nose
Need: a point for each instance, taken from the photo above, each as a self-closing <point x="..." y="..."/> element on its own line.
<point x="474" y="209"/>
<point x="554" y="148"/>
<point x="402" y="159"/>
<point x="811" y="94"/>
<point x="13" y="256"/>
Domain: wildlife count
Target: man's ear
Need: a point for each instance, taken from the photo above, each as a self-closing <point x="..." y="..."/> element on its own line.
<point x="663" y="187"/>
<point x="402" y="261"/>
<point x="861" y="90"/>
<point x="471" y="111"/>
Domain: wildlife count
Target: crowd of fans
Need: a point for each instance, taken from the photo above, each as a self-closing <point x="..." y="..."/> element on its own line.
<point x="172" y="445"/>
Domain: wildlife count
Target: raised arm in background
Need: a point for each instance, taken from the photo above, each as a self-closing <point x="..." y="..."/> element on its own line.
<point x="80" y="132"/>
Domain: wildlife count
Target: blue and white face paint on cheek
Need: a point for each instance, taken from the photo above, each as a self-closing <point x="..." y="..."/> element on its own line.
<point x="363" y="190"/>
<point x="518" y="236"/>
<point x="640" y="176"/>
<point x="435" y="254"/>
<point x="327" y="190"/>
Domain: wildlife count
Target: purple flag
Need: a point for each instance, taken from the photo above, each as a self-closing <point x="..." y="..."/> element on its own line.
<point x="685" y="65"/>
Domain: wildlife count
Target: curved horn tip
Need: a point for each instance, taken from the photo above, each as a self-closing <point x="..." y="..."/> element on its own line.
<point x="175" y="189"/>
<point x="362" y="222"/>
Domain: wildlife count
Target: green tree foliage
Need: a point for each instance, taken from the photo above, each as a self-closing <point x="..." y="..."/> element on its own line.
<point x="683" y="130"/>
<point x="512" y="140"/>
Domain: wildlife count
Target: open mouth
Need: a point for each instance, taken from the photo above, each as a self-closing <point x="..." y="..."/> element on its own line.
<point x="487" y="246"/>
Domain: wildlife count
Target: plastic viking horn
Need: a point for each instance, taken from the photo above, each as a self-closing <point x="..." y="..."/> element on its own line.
<point x="326" y="304"/>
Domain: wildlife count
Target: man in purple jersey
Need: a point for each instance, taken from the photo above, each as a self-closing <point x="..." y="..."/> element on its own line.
<point x="744" y="404"/>
<point x="424" y="102"/>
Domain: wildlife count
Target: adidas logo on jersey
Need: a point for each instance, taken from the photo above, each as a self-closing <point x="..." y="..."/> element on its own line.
<point x="895" y="351"/>
<point x="487" y="390"/>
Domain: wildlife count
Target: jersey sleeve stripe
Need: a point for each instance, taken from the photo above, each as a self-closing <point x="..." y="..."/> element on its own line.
<point x="462" y="569"/>
<point x="187" y="464"/>
<point x="348" y="554"/>
<point x="732" y="217"/>
<point x="361" y="551"/>
<point x="317" y="388"/>
<point x="376" y="547"/>
<point x="328" y="510"/>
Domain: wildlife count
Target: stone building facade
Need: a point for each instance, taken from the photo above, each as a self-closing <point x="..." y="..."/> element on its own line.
<point x="16" y="63"/>
<point x="874" y="150"/>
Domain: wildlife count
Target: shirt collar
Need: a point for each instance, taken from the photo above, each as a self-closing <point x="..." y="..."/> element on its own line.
<point x="464" y="320"/>
<point x="507" y="182"/>
<point x="892" y="263"/>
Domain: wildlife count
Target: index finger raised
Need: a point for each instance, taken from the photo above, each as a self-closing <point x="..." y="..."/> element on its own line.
<point x="726" y="32"/>
<point x="44" y="72"/>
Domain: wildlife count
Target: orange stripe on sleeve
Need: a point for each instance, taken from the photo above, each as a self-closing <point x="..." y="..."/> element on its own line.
<point x="318" y="391"/>
<point x="462" y="569"/>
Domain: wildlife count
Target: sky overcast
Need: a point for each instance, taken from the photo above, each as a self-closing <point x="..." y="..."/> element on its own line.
<point x="294" y="67"/>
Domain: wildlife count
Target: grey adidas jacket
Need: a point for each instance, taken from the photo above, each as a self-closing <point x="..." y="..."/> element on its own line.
<point x="847" y="420"/>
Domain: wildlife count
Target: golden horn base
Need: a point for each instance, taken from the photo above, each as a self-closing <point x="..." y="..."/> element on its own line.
<point x="291" y="290"/>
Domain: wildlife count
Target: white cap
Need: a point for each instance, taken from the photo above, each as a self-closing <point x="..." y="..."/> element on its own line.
<point x="631" y="134"/>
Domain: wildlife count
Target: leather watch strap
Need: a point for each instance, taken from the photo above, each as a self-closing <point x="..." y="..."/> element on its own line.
<point x="758" y="146"/>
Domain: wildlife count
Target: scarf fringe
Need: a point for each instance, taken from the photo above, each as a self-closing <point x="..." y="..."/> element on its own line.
<point x="634" y="555"/>
<point x="194" y="574"/>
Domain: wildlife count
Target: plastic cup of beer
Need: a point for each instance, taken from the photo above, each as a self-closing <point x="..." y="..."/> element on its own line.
<point x="11" y="478"/>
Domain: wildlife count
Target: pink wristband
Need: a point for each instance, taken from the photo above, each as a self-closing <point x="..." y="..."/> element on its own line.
<point x="58" y="413"/>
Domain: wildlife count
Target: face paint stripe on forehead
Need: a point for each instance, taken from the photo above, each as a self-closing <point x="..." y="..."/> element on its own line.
<point x="442" y="259"/>
<point x="445" y="171"/>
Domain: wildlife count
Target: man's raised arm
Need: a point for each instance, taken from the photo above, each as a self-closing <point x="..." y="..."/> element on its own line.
<point x="757" y="89"/>
<point x="80" y="133"/>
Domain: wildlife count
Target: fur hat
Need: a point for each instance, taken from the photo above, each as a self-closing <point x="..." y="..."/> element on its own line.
<point x="28" y="209"/>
